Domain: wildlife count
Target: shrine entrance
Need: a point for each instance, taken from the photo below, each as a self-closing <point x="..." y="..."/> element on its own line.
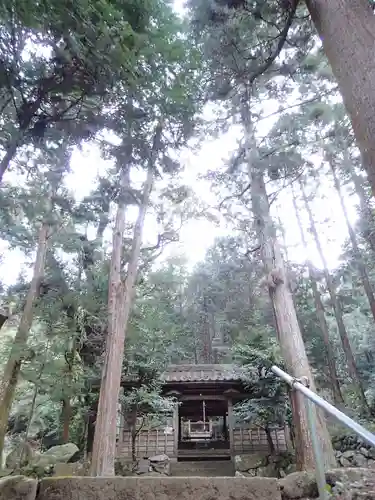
<point x="203" y="427"/>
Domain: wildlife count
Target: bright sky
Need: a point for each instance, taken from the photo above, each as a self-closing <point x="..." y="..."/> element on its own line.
<point x="197" y="236"/>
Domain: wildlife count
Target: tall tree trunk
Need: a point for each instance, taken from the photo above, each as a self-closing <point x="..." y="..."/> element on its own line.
<point x="365" y="209"/>
<point x="357" y="253"/>
<point x="66" y="415"/>
<point x="12" y="369"/>
<point x="346" y="28"/>
<point x="10" y="153"/>
<point x="271" y="446"/>
<point x="121" y="296"/>
<point x="289" y="334"/>
<point x="352" y="365"/>
<point x="319" y="308"/>
<point x="207" y="344"/>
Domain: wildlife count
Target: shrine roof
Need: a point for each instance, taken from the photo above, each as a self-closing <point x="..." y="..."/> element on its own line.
<point x="202" y="373"/>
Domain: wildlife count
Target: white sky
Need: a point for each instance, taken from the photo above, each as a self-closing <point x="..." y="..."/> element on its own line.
<point x="197" y="236"/>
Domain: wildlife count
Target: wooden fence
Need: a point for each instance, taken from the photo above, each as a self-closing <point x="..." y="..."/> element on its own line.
<point x="247" y="440"/>
<point x="148" y="443"/>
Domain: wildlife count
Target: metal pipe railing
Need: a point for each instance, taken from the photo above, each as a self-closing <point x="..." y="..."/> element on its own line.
<point x="311" y="400"/>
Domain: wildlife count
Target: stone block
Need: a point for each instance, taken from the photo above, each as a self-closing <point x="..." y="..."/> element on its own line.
<point x="18" y="488"/>
<point x="159" y="488"/>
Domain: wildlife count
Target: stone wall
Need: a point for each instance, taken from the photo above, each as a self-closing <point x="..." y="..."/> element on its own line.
<point x="343" y="484"/>
<point x="351" y="451"/>
<point x="264" y="465"/>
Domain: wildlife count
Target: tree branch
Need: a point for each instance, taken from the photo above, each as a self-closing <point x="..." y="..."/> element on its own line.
<point x="283" y="36"/>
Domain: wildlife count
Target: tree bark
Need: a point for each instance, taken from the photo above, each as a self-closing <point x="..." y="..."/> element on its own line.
<point x="66" y="415"/>
<point x="346" y="28"/>
<point x="271" y="446"/>
<point x="9" y="155"/>
<point x="352" y="365"/>
<point x="121" y="298"/>
<point x="365" y="210"/>
<point x="13" y="367"/>
<point x="319" y="308"/>
<point x="206" y="331"/>
<point x="289" y="334"/>
<point x="357" y="253"/>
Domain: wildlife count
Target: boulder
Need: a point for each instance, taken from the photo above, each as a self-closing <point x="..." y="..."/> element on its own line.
<point x="268" y="471"/>
<point x="344" y="462"/>
<point x="359" y="460"/>
<point x="348" y="454"/>
<point x="299" y="485"/>
<point x="23" y="451"/>
<point x="244" y="463"/>
<point x="57" y="454"/>
<point x="18" y="488"/>
<point x="364" y="451"/>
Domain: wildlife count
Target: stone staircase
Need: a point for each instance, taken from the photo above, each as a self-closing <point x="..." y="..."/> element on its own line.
<point x="203" y="468"/>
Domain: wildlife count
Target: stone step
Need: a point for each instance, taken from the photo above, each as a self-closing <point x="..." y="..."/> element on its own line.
<point x="211" y="468"/>
<point x="152" y="488"/>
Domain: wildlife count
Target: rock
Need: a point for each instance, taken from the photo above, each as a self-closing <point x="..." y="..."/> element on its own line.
<point x="359" y="460"/>
<point x="299" y="485"/>
<point x="18" y="488"/>
<point x="57" y="454"/>
<point x="143" y="466"/>
<point x="160" y="464"/>
<point x="122" y="468"/>
<point x="352" y="483"/>
<point x="24" y="451"/>
<point x="239" y="474"/>
<point x="344" y="462"/>
<point x="159" y="458"/>
<point x="348" y="475"/>
<point x="371" y="453"/>
<point x="268" y="471"/>
<point x="162" y="468"/>
<point x="244" y="463"/>
<point x="348" y="454"/>
<point x="364" y="451"/>
<point x="249" y="473"/>
<point x="290" y="469"/>
<point x="74" y="469"/>
<point x="371" y="464"/>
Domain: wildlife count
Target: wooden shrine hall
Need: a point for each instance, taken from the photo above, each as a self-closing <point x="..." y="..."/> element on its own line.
<point x="203" y="422"/>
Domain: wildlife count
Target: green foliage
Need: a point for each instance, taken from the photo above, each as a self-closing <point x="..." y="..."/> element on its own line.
<point x="268" y="404"/>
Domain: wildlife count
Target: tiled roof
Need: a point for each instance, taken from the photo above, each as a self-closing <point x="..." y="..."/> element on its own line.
<point x="202" y="373"/>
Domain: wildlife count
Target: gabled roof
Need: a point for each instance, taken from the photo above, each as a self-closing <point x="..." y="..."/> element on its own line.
<point x="202" y="373"/>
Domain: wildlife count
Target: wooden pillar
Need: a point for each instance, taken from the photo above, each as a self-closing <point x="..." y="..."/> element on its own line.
<point x="231" y="425"/>
<point x="176" y="436"/>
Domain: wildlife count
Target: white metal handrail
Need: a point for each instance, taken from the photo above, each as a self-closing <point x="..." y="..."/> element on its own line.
<point x="311" y="399"/>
